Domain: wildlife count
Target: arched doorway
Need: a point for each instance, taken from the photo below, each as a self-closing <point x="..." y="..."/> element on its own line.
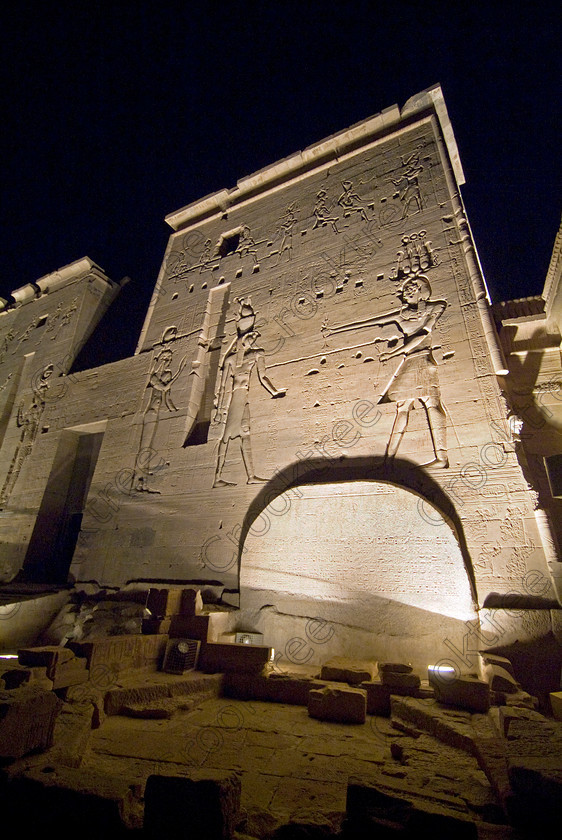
<point x="375" y="559"/>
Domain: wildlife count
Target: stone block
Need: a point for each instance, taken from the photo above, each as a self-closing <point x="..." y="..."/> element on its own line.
<point x="378" y="697"/>
<point x="428" y="821"/>
<point x="365" y="799"/>
<point x="190" y="627"/>
<point x="205" y="806"/>
<point x="520" y="699"/>
<point x="27" y="720"/>
<point x="556" y="704"/>
<point x="340" y="705"/>
<point x="371" y="812"/>
<point x="467" y="692"/>
<point x="246" y="686"/>
<point x="401" y="682"/>
<point x="206" y="626"/>
<point x="164" y="602"/>
<point x="156" y="626"/>
<point x="76" y="802"/>
<point x="493" y="659"/>
<point x="73" y="672"/>
<point x="191" y="602"/>
<point x="14" y="675"/>
<point x="394" y="668"/>
<point x="118" y="654"/>
<point x="508" y="714"/>
<point x="47" y="656"/>
<point x="499" y="678"/>
<point x="353" y="671"/>
<point x="215" y="657"/>
<point x="289" y="688"/>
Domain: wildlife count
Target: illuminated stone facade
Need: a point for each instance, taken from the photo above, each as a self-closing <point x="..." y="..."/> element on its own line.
<point x="315" y="417"/>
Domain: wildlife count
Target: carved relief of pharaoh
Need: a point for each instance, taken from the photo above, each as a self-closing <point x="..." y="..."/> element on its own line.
<point x="232" y="400"/>
<point x="415" y="378"/>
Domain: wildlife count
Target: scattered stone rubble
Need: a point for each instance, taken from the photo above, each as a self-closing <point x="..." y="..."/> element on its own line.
<point x="55" y="699"/>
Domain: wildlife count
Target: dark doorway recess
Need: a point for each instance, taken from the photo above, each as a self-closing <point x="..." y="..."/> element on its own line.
<point x="58" y="523"/>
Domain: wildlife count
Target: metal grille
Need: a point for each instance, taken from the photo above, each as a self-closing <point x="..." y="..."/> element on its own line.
<point x="181" y="656"/>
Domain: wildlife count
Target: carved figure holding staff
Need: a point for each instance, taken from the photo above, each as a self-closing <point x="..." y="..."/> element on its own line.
<point x="416" y="377"/>
<point x="232" y="401"/>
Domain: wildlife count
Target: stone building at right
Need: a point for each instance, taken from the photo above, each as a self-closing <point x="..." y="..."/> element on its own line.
<point x="530" y="331"/>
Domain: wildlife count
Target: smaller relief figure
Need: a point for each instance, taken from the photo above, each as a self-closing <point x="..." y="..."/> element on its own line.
<point x="232" y="401"/>
<point x="61" y="318"/>
<point x="247" y="245"/>
<point x="160" y="383"/>
<point x="288" y="223"/>
<point x="408" y="188"/>
<point x="416" y="377"/>
<point x="28" y="420"/>
<point x="351" y="202"/>
<point x="323" y="213"/>
<point x="206" y="255"/>
<point x="5" y="344"/>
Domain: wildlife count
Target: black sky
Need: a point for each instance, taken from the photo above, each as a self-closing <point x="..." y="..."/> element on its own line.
<point x="114" y="115"/>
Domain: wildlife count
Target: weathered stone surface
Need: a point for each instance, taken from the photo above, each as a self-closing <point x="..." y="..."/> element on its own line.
<point x="73" y="672"/>
<point x="207" y="626"/>
<point x="27" y="720"/>
<point x="203" y="806"/>
<point x="556" y="704"/>
<point x="400" y="682"/>
<point x="286" y="688"/>
<point x="500" y="679"/>
<point x="191" y="601"/>
<point x="378" y="697"/>
<point x="165" y="602"/>
<point x="72" y="732"/>
<point x="14" y="675"/>
<point x="534" y="763"/>
<point x="156" y="626"/>
<point x="47" y="656"/>
<point x="464" y="691"/>
<point x="215" y="657"/>
<point x="159" y="687"/>
<point x="81" y="802"/>
<point x="394" y="668"/>
<point x="343" y="705"/>
<point x="118" y="654"/>
<point x="447" y="726"/>
<point x="371" y="811"/>
<point x="487" y="659"/>
<point x="508" y="714"/>
<point x="352" y="671"/>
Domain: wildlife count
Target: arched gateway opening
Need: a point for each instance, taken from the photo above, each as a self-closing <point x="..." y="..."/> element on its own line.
<point x="367" y="554"/>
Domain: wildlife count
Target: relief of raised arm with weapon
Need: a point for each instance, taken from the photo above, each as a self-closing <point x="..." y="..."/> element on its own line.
<point x="416" y="376"/>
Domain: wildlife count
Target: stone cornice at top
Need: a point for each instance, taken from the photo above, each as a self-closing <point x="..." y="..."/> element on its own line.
<point x="55" y="280"/>
<point x="429" y="100"/>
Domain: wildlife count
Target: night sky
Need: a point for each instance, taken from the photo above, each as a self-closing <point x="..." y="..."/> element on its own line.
<point x="114" y="115"/>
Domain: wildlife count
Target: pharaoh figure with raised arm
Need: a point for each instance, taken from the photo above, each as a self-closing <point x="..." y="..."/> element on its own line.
<point x="416" y="376"/>
<point x="232" y="401"/>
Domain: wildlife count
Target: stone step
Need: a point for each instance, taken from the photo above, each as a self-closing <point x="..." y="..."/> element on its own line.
<point x="149" y="689"/>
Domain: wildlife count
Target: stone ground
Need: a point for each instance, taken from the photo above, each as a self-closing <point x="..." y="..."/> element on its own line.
<point x="293" y="768"/>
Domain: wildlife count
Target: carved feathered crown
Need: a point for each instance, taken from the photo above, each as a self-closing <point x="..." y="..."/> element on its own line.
<point x="246" y="316"/>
